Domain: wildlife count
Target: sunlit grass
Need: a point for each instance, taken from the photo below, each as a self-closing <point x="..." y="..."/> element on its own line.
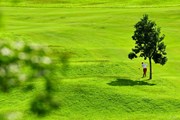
<point x="101" y="83"/>
<point x="90" y="3"/>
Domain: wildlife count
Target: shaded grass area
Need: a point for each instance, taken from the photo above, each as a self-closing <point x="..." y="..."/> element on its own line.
<point x="128" y="82"/>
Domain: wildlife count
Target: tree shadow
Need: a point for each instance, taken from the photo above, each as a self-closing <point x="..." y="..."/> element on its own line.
<point x="128" y="82"/>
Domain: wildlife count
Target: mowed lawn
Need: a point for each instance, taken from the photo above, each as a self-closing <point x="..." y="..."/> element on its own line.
<point x="101" y="82"/>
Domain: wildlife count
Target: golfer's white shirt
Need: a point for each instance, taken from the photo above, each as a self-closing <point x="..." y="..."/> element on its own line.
<point x="144" y="65"/>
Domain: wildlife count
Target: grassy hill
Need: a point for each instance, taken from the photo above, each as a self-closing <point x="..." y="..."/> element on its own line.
<point x="93" y="3"/>
<point x="101" y="83"/>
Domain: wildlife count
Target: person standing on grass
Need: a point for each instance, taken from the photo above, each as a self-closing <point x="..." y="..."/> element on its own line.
<point x="144" y="66"/>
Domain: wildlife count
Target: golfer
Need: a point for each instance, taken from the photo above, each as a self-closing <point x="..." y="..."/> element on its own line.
<point x="144" y="66"/>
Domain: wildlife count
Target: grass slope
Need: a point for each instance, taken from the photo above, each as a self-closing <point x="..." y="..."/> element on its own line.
<point x="92" y="3"/>
<point x="101" y="82"/>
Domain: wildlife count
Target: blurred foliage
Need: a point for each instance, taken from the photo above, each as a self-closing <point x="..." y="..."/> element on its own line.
<point x="16" y="1"/>
<point x="43" y="103"/>
<point x="2" y="117"/>
<point x="64" y="58"/>
<point x="11" y="116"/>
<point x="22" y="63"/>
<point x="1" y="20"/>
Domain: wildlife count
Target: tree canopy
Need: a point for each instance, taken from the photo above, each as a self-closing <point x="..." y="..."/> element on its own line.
<point x="148" y="42"/>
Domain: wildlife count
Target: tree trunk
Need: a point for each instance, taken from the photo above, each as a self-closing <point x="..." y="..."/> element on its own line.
<point x="150" y="68"/>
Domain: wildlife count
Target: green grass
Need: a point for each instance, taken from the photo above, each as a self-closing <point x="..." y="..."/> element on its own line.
<point x="101" y="82"/>
<point x="91" y="3"/>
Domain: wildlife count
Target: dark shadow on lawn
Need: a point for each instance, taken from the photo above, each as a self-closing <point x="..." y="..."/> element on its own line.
<point x="128" y="82"/>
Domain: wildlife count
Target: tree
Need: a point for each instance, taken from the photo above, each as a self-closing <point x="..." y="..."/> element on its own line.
<point x="149" y="43"/>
